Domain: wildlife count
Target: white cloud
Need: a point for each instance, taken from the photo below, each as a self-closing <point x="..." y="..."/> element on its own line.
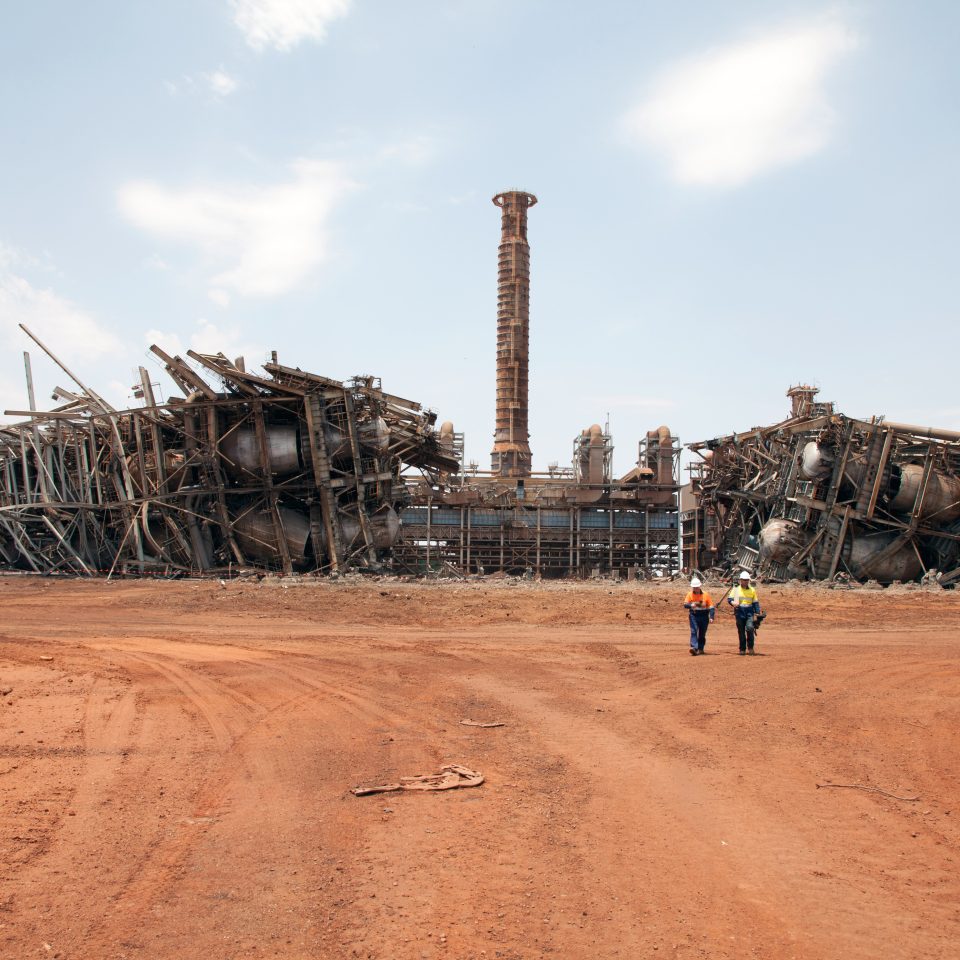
<point x="218" y="83"/>
<point x="156" y="262"/>
<point x="14" y="260"/>
<point x="416" y="151"/>
<point x="60" y="324"/>
<point x="70" y="332"/>
<point x="208" y="337"/>
<point x="220" y="297"/>
<point x="737" y="111"/>
<point x="13" y="395"/>
<point x="221" y="83"/>
<point x="282" y="24"/>
<point x="261" y="241"/>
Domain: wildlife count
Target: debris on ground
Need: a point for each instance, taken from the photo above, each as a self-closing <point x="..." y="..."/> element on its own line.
<point x="450" y="777"/>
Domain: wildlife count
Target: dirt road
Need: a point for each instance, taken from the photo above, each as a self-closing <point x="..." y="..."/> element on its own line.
<point x="176" y="759"/>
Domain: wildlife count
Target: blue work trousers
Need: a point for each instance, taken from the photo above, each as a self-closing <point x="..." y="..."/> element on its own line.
<point x="699" y="621"/>
<point x="746" y="630"/>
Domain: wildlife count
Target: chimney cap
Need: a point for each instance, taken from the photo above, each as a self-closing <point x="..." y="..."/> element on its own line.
<point x="500" y="198"/>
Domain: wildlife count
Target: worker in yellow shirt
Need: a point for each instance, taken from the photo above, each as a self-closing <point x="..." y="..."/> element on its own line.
<point x="746" y="605"/>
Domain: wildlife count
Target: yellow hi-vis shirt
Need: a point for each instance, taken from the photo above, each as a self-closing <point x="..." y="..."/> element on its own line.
<point x="744" y="596"/>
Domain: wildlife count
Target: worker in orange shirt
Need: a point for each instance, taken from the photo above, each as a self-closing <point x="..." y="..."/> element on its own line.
<point x="702" y="612"/>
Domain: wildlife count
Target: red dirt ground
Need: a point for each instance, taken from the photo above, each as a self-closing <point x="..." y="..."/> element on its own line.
<point x="176" y="759"/>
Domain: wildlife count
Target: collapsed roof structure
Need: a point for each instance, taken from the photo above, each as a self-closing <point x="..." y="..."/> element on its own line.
<point x="821" y="493"/>
<point x="288" y="471"/>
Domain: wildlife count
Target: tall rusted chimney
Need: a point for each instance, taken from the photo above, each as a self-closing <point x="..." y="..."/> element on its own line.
<point x="511" y="449"/>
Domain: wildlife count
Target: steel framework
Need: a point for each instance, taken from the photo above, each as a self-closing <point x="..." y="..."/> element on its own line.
<point x="572" y="524"/>
<point x="287" y="471"/>
<point x="821" y="493"/>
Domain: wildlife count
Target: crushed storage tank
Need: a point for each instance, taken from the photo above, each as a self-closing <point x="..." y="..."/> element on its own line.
<point x="821" y="494"/>
<point x="283" y="470"/>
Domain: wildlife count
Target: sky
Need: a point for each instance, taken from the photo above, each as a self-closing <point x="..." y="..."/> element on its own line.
<point x="733" y="198"/>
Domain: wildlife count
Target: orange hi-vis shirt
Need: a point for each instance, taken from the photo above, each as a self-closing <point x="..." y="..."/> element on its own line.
<point x="703" y="597"/>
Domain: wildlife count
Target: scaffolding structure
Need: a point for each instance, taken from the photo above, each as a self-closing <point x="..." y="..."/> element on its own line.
<point x="822" y="494"/>
<point x="565" y="541"/>
<point x="288" y="471"/>
<point x="575" y="523"/>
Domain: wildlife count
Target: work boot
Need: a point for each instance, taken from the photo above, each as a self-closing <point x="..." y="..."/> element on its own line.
<point x="750" y="651"/>
<point x="743" y="653"/>
<point x="700" y="650"/>
<point x="693" y="652"/>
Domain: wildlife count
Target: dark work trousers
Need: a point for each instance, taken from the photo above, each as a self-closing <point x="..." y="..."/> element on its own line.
<point x="699" y="621"/>
<point x="746" y="631"/>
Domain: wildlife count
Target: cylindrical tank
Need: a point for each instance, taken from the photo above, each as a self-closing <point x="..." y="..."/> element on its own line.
<point x="373" y="436"/>
<point x="384" y="527"/>
<point x="257" y="538"/>
<point x="860" y="549"/>
<point x="816" y="462"/>
<point x="240" y="449"/>
<point x="660" y="454"/>
<point x="446" y="434"/>
<point x="665" y="440"/>
<point x="781" y="539"/>
<point x="941" y="501"/>
<point x="594" y="454"/>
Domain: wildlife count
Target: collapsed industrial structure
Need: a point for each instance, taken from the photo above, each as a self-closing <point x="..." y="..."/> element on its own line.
<point x="822" y="495"/>
<point x="287" y="470"/>
<point x="291" y="471"/>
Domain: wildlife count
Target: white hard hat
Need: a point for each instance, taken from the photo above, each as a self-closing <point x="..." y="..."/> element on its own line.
<point x="695" y="582"/>
<point x="744" y="575"/>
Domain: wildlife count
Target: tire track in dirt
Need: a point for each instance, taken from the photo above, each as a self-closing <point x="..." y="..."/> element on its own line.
<point x="650" y="807"/>
<point x="111" y="731"/>
<point x="499" y="869"/>
<point x="225" y="714"/>
<point x="260" y="772"/>
<point x="651" y="820"/>
<point x="301" y="889"/>
<point x="123" y="740"/>
<point x="597" y="834"/>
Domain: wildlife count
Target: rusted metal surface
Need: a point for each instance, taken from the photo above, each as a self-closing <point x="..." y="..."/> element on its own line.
<point x="571" y="522"/>
<point x="286" y="471"/>
<point x="511" y="448"/>
<point x="822" y="494"/>
<point x="566" y="522"/>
